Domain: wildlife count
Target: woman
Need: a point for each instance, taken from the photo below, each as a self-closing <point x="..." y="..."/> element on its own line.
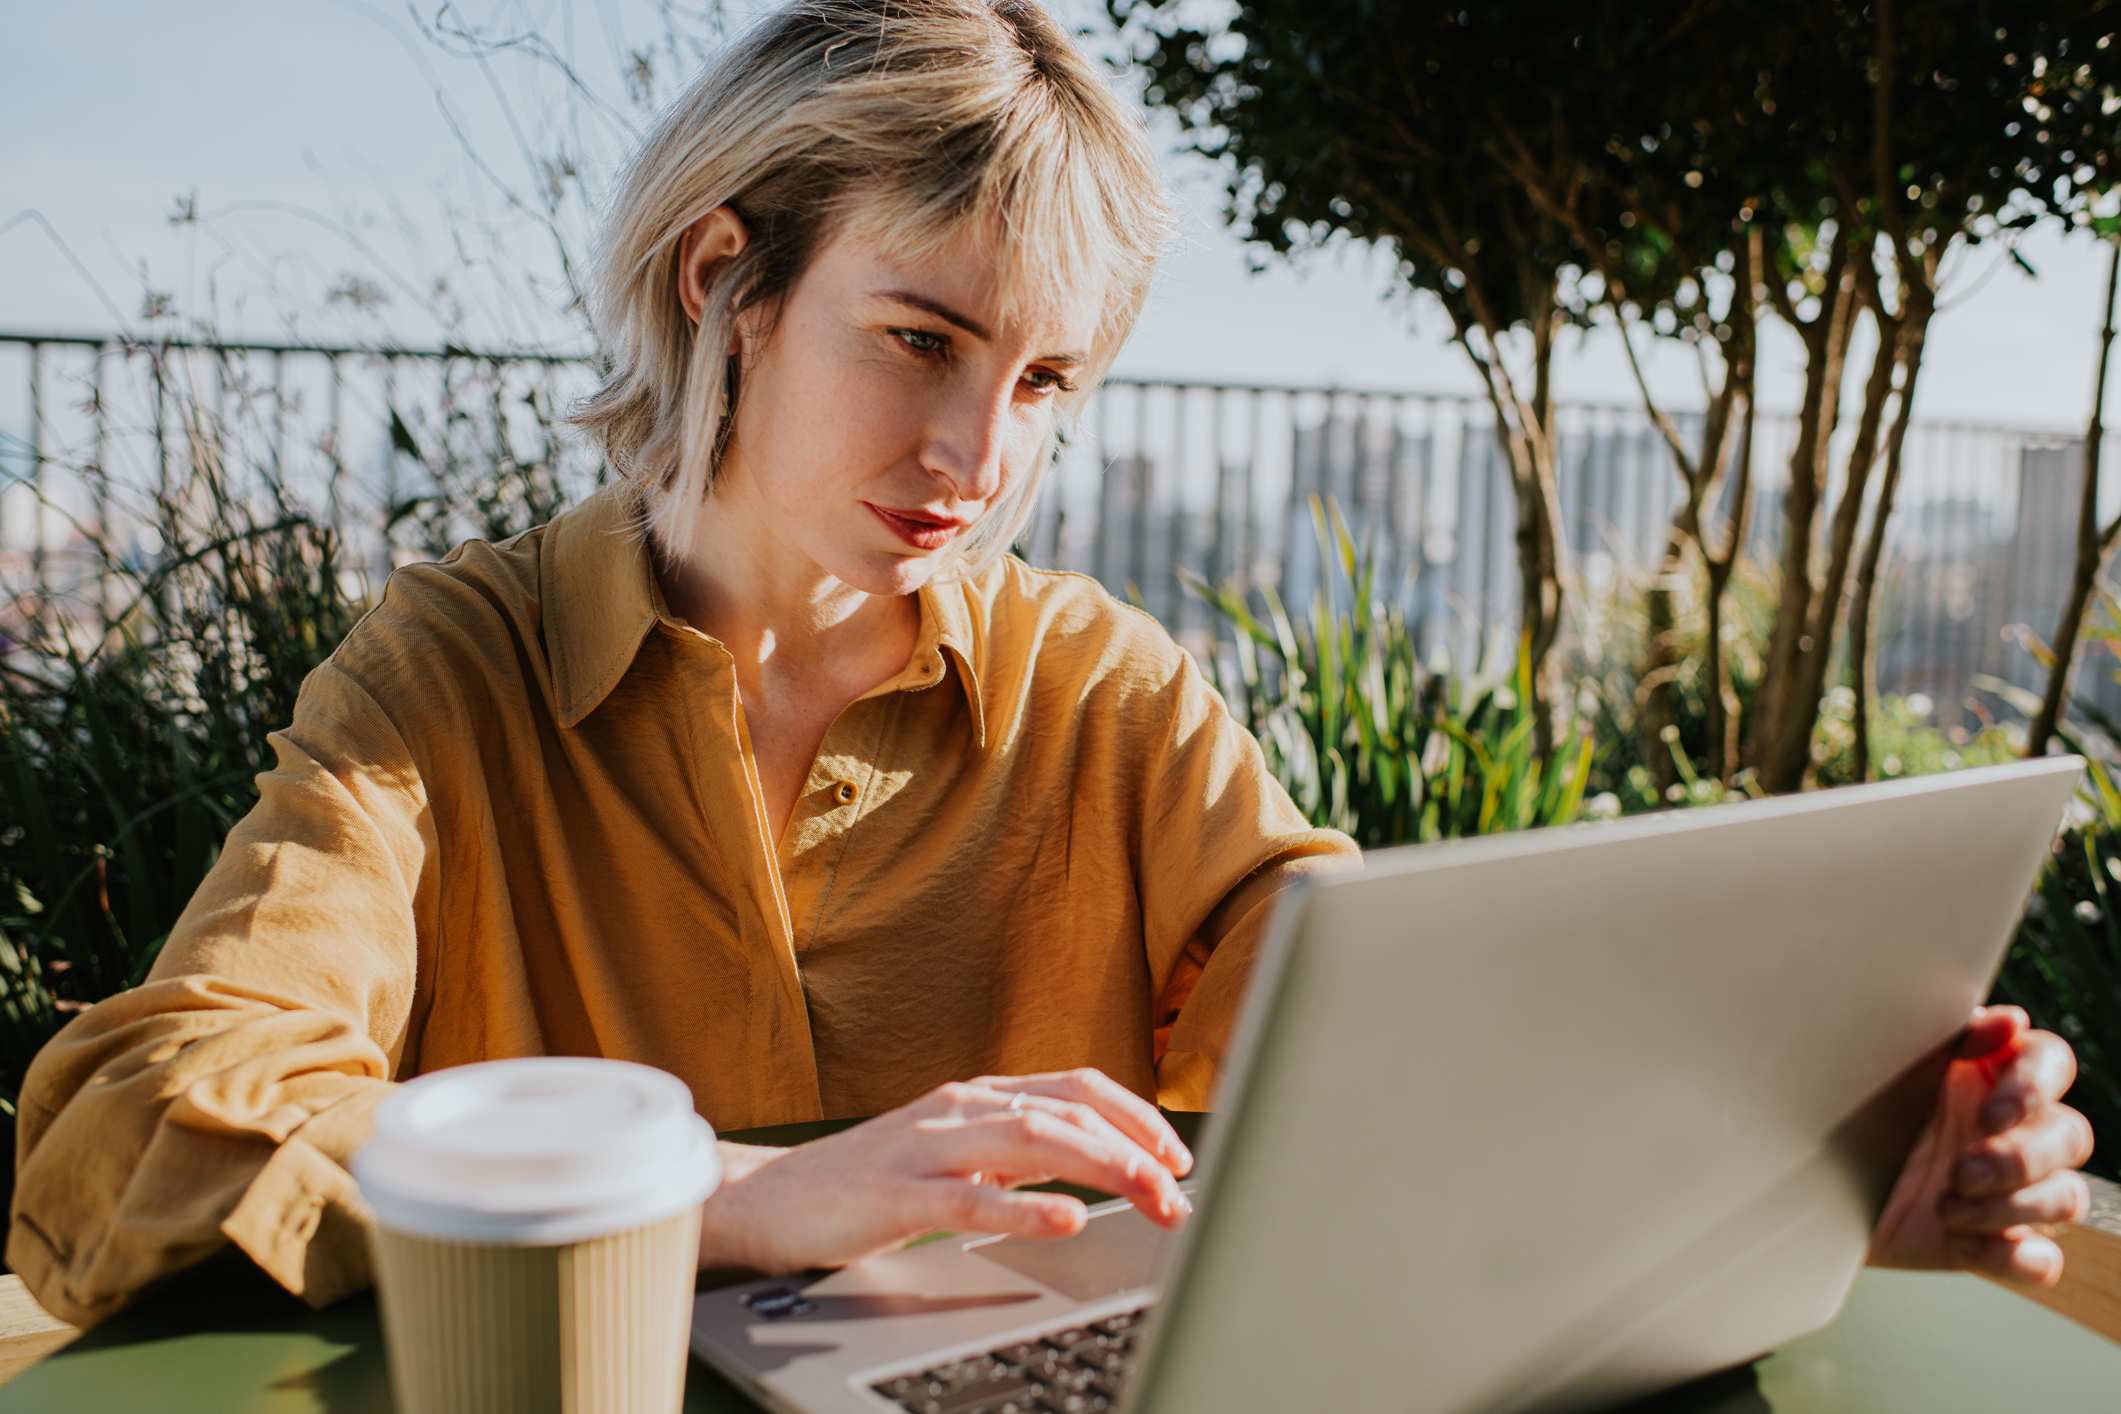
<point x="765" y="766"/>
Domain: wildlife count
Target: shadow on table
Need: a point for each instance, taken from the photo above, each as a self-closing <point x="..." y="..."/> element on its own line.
<point x="216" y="1337"/>
<point x="183" y="1335"/>
<point x="1734" y="1391"/>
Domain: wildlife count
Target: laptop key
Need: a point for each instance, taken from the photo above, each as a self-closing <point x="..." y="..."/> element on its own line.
<point x="1073" y="1371"/>
<point x="1070" y="1378"/>
<point x="1007" y="1404"/>
<point x="986" y="1398"/>
<point x="969" y="1371"/>
<point x="1086" y="1403"/>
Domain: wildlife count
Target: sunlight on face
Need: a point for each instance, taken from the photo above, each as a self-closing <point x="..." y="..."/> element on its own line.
<point x="889" y="408"/>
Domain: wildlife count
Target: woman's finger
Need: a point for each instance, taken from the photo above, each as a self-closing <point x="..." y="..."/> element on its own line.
<point x="951" y="1203"/>
<point x="2056" y="1138"/>
<point x="1029" y="1140"/>
<point x="2059" y="1198"/>
<point x="1126" y="1111"/>
<point x="983" y="1096"/>
<point x="2039" y="1073"/>
<point x="1991" y="1029"/>
<point x="2021" y="1255"/>
<point x="1010" y="1180"/>
<point x="1083" y="1117"/>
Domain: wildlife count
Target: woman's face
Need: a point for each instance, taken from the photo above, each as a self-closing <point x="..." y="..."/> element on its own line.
<point x="889" y="408"/>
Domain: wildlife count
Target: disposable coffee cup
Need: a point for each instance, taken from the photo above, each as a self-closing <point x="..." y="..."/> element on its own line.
<point x="536" y="1235"/>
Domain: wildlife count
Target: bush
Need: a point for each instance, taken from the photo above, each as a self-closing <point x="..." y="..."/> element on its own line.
<point x="1613" y="634"/>
<point x="2065" y="967"/>
<point x="134" y="711"/>
<point x="1369" y="740"/>
<point x="128" y="746"/>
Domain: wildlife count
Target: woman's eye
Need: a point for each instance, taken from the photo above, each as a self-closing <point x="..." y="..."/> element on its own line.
<point x="926" y="343"/>
<point x="921" y="341"/>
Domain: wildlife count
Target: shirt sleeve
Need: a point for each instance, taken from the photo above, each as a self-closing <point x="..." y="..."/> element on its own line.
<point x="220" y="1101"/>
<point x="1220" y="840"/>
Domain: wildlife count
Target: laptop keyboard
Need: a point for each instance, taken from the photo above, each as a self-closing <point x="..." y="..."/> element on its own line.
<point x="1075" y="1371"/>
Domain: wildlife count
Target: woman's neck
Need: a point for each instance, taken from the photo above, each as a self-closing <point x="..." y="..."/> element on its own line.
<point x="780" y="617"/>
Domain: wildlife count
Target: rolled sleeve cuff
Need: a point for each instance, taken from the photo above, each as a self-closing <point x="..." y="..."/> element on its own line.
<point x="302" y="1219"/>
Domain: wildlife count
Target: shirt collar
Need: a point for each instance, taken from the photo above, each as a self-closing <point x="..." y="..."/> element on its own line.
<point x="946" y="622"/>
<point x="600" y="598"/>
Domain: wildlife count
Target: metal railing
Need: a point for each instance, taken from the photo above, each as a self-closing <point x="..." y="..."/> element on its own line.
<point x="1161" y="474"/>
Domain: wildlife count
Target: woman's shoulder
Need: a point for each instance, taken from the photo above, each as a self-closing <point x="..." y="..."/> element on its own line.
<point x="1066" y="625"/>
<point x="445" y="633"/>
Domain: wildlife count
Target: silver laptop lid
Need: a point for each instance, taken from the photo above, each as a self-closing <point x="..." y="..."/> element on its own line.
<point x="1550" y="1119"/>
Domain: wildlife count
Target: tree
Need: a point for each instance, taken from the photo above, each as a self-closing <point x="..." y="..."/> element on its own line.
<point x="1676" y="240"/>
<point x="1341" y="120"/>
<point x="2094" y="543"/>
<point x="1949" y="126"/>
<point x="1695" y="170"/>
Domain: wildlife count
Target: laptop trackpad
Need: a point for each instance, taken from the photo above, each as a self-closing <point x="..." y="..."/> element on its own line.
<point x="1116" y="1251"/>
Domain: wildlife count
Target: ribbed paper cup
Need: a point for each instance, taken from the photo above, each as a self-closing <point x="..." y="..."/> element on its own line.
<point x="537" y="1236"/>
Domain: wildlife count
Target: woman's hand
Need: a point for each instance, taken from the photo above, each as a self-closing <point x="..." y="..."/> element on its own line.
<point x="1996" y="1159"/>
<point x="947" y="1160"/>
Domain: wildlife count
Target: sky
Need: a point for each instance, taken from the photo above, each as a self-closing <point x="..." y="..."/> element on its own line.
<point x="315" y="144"/>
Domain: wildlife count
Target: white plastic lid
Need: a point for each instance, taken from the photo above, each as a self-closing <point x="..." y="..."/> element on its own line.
<point x="537" y="1151"/>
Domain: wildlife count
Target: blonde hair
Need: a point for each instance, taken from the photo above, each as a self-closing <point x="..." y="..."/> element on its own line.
<point x="891" y="120"/>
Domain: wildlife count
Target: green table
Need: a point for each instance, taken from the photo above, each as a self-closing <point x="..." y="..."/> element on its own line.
<point x="223" y="1341"/>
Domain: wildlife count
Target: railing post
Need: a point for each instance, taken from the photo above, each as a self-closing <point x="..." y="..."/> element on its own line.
<point x="100" y="486"/>
<point x="36" y="466"/>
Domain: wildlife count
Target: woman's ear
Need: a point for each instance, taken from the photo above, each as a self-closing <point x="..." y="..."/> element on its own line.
<point x="714" y="238"/>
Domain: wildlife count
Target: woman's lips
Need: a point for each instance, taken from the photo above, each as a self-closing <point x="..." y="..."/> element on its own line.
<point x="921" y="534"/>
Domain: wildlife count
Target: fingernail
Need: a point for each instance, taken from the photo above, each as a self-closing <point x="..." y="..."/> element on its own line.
<point x="1185" y="1204"/>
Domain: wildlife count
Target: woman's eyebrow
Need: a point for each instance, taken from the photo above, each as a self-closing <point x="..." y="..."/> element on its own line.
<point x="965" y="322"/>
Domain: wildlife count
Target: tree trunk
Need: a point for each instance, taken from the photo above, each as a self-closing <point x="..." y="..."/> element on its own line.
<point x="1701" y="479"/>
<point x="1785" y="766"/>
<point x="2091" y="544"/>
<point x="1825" y="338"/>
<point x="1656" y="683"/>
<point x="1539" y="572"/>
<point x="1525" y="433"/>
<point x="1722" y="696"/>
<point x="1913" y="336"/>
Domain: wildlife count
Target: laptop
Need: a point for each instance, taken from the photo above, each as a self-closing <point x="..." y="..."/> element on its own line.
<point x="1536" y="1121"/>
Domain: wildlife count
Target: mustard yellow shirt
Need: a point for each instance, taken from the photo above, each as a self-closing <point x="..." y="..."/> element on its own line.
<point x="516" y="814"/>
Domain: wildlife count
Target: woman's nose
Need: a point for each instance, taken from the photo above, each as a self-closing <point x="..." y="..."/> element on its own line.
<point x="968" y="442"/>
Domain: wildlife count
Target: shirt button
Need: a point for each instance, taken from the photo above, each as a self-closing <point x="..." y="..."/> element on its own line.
<point x="845" y="793"/>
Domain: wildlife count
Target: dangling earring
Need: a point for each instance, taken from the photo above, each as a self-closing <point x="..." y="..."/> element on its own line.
<point x="732" y="379"/>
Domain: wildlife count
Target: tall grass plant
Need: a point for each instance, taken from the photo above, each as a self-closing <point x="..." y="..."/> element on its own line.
<point x="1366" y="737"/>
